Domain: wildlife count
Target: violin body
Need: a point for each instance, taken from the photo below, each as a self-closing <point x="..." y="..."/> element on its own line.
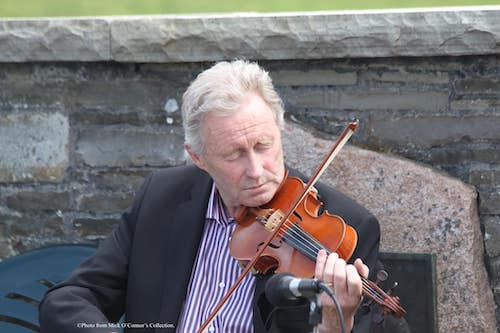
<point x="294" y="249"/>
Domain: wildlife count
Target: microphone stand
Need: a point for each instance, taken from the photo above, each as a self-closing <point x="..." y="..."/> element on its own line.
<point x="315" y="311"/>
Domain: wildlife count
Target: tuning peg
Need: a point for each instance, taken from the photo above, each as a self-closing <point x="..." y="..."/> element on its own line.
<point x="394" y="285"/>
<point x="381" y="277"/>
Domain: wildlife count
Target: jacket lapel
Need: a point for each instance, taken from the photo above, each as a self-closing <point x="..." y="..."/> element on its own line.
<point x="186" y="225"/>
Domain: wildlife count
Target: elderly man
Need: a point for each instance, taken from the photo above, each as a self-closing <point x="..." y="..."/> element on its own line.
<point x="167" y="264"/>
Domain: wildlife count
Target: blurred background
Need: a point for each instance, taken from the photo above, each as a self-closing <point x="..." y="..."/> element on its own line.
<point x="37" y="8"/>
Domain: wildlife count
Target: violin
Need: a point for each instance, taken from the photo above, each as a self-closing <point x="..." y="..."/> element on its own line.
<point x="287" y="233"/>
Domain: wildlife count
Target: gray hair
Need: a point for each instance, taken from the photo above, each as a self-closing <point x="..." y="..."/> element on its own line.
<point x="222" y="89"/>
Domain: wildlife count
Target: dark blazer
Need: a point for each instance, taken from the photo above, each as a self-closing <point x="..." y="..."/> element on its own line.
<point x="143" y="268"/>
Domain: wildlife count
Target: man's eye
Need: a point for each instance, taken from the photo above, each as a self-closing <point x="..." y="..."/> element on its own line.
<point x="232" y="156"/>
<point x="264" y="146"/>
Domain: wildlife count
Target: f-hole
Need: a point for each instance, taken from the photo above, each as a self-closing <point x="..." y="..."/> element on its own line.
<point x="271" y="245"/>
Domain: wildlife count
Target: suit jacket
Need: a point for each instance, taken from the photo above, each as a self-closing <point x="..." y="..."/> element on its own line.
<point x="143" y="268"/>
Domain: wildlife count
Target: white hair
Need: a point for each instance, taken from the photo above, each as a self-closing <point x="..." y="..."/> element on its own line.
<point x="222" y="89"/>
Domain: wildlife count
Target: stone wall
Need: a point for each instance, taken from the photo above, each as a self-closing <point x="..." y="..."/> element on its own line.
<point x="89" y="106"/>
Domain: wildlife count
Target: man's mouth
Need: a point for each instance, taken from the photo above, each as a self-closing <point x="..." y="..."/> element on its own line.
<point x="256" y="187"/>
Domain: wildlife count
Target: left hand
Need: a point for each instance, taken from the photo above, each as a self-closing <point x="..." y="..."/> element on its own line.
<point x="345" y="281"/>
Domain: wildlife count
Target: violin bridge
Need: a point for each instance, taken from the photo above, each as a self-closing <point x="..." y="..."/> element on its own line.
<point x="273" y="220"/>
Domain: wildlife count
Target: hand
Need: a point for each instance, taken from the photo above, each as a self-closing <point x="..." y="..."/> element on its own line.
<point x="345" y="281"/>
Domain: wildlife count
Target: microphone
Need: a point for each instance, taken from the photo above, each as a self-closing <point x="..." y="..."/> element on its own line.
<point x="283" y="288"/>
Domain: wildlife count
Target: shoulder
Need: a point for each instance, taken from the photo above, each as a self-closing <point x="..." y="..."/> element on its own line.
<point x="186" y="174"/>
<point x="174" y="184"/>
<point x="180" y="177"/>
<point x="336" y="202"/>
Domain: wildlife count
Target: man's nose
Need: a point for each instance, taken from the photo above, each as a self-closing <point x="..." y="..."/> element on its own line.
<point x="255" y="166"/>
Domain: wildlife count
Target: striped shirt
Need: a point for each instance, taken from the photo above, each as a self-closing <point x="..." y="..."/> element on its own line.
<point x="213" y="274"/>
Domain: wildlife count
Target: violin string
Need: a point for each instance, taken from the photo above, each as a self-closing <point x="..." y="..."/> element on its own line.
<point x="371" y="292"/>
<point x="386" y="300"/>
<point x="308" y="244"/>
<point x="313" y="244"/>
<point x="307" y="239"/>
<point x="296" y="240"/>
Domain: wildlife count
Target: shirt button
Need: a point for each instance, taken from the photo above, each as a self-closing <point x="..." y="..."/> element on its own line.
<point x="211" y="329"/>
<point x="222" y="285"/>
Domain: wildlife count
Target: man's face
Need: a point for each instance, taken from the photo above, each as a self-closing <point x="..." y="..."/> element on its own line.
<point x="243" y="154"/>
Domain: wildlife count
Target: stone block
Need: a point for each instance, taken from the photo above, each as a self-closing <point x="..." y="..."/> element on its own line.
<point x="463" y="153"/>
<point x="428" y="131"/>
<point x="368" y="100"/>
<point x="478" y="86"/>
<point x="492" y="235"/>
<point x="54" y="39"/>
<point x="402" y="76"/>
<point x="496" y="292"/>
<point x="5" y="245"/>
<point x="489" y="202"/>
<point x="38" y="200"/>
<point x="39" y="141"/>
<point x="102" y="203"/>
<point x="26" y="95"/>
<point x="101" y="116"/>
<point x="94" y="228"/>
<point x="485" y="177"/>
<point x="494" y="270"/>
<point x="27" y="231"/>
<point x="313" y="78"/>
<point x="420" y="210"/>
<point x="123" y="147"/>
<point x="134" y="94"/>
<point x="119" y="180"/>
<point x="35" y="226"/>
<point x="479" y="104"/>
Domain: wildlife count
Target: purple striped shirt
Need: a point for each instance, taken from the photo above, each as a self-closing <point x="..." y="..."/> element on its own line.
<point x="213" y="274"/>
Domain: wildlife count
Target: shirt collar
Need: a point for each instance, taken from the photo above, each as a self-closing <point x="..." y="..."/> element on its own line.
<point x="217" y="209"/>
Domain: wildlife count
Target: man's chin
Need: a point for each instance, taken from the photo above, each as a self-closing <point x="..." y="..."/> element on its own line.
<point x="260" y="196"/>
<point x="259" y="200"/>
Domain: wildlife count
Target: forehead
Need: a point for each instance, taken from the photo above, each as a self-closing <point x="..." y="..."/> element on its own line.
<point x="253" y="121"/>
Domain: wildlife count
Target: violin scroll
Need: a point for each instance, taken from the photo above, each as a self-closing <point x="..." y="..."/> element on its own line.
<point x="390" y="304"/>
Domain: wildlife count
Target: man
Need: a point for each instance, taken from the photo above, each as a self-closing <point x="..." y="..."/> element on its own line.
<point x="167" y="264"/>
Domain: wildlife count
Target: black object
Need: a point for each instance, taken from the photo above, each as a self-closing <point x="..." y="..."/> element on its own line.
<point x="25" y="278"/>
<point x="414" y="273"/>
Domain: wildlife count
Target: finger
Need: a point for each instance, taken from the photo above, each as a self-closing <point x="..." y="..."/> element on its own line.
<point x="362" y="269"/>
<point x="328" y="274"/>
<point x="340" y="277"/>
<point x="320" y="264"/>
<point x="354" y="285"/>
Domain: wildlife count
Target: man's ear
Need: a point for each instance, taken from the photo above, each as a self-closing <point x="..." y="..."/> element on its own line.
<point x="196" y="158"/>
